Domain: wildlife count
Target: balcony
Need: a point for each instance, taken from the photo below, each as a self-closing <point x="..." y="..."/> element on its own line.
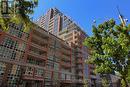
<point x="41" y="32"/>
<point x="80" y="61"/>
<point x="58" y="54"/>
<point x="42" y="57"/>
<point x="39" y="73"/>
<point x="80" y="75"/>
<point x="79" y="55"/>
<point x="28" y="77"/>
<point x="80" y="68"/>
<point x="30" y="74"/>
<point x="66" y="81"/>
<point x="79" y="81"/>
<point x="66" y="65"/>
<point x="43" y="40"/>
<point x="66" y="52"/>
<point x="39" y="47"/>
<point x="65" y="58"/>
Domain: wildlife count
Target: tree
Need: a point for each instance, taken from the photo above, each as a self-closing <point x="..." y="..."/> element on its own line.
<point x="85" y="83"/>
<point x="18" y="12"/>
<point x="105" y="82"/>
<point x="110" y="49"/>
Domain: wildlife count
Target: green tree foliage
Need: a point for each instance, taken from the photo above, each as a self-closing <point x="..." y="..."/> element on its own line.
<point x="86" y="83"/>
<point x="18" y="12"/>
<point x="110" y="48"/>
<point x="105" y="82"/>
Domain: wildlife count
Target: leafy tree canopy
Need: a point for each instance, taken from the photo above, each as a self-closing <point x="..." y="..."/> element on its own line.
<point x="110" y="48"/>
<point x="17" y="11"/>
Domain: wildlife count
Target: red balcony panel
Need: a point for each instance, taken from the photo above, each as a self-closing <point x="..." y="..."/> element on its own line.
<point x="27" y="77"/>
<point x="39" y="47"/>
<point x="42" y="57"/>
<point x="66" y="81"/>
<point x="66" y="58"/>
<point x="67" y="65"/>
<point x="40" y="39"/>
<point x="79" y="61"/>
<point x="38" y="78"/>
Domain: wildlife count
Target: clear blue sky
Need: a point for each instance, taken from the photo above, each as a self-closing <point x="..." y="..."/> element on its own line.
<point x="83" y="12"/>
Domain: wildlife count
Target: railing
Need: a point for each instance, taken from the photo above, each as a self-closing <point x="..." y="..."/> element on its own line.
<point x="66" y="52"/>
<point x="37" y="55"/>
<point x="28" y="77"/>
<point x="39" y="47"/>
<point x="43" y="32"/>
<point x="80" y="68"/>
<point x="65" y="58"/>
<point x="79" y="61"/>
<point x="40" y="39"/>
<point x="58" y="54"/>
<point x="79" y="55"/>
<point x="20" y="63"/>
<point x="80" y="75"/>
<point x="67" y="65"/>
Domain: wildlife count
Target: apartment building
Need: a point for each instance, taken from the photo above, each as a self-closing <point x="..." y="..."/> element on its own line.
<point x="36" y="59"/>
<point x="63" y="27"/>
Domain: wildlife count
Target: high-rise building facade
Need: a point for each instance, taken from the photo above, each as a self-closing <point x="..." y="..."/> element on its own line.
<point x="51" y="55"/>
<point x="36" y="59"/>
<point x="63" y="27"/>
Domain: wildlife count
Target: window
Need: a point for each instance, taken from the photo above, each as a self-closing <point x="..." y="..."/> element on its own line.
<point x="56" y="66"/>
<point x="29" y="71"/>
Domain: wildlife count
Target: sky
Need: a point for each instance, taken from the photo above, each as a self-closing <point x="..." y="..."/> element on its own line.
<point x="84" y="12"/>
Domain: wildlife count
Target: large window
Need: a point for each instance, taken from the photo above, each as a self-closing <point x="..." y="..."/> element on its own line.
<point x="56" y="66"/>
<point x="18" y="31"/>
<point x="10" y="49"/>
<point x="13" y="76"/>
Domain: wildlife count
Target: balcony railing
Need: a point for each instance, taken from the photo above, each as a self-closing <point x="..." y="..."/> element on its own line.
<point x="64" y="64"/>
<point x="42" y="31"/>
<point x="40" y="39"/>
<point x="58" y="54"/>
<point x="29" y="77"/>
<point x="79" y="61"/>
<point x="65" y="58"/>
<point x="79" y="55"/>
<point x="80" y="68"/>
<point x="37" y="55"/>
<point x="66" y="52"/>
<point x="80" y="74"/>
<point x="39" y="47"/>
